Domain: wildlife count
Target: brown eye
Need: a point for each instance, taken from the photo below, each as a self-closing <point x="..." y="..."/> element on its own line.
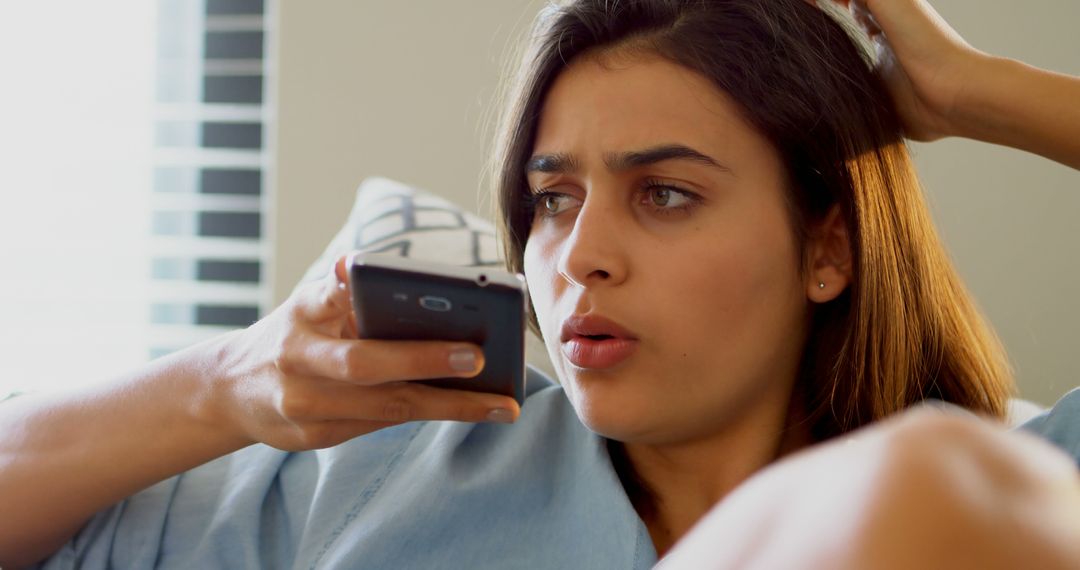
<point x="661" y="196"/>
<point x="666" y="199"/>
<point x="548" y="204"/>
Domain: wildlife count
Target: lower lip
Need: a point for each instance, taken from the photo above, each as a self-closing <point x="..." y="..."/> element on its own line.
<point x="585" y="352"/>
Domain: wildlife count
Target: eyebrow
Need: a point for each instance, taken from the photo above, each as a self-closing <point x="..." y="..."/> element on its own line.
<point x="557" y="162"/>
<point x="563" y="162"/>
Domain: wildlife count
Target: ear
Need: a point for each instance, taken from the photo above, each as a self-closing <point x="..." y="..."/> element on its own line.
<point x="829" y="259"/>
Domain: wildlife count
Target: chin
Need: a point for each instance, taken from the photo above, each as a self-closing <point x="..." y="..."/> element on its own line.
<point x="613" y="414"/>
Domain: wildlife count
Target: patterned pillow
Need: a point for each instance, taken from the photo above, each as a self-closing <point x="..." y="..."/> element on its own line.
<point x="393" y="218"/>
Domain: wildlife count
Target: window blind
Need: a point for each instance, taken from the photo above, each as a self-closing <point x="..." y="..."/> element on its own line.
<point x="211" y="242"/>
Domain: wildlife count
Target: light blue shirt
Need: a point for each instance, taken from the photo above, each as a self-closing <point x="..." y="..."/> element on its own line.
<point x="1060" y="425"/>
<point x="541" y="493"/>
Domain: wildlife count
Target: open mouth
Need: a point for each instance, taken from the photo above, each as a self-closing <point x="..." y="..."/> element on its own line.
<point x="598" y="351"/>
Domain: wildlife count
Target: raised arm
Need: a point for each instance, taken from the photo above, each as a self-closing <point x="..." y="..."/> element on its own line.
<point x="296" y="380"/>
<point x="944" y="87"/>
<point x="1026" y="108"/>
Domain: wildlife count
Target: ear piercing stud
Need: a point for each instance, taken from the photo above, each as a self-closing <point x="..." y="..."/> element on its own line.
<point x="821" y="285"/>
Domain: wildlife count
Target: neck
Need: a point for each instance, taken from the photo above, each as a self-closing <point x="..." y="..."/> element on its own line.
<point x="673" y="485"/>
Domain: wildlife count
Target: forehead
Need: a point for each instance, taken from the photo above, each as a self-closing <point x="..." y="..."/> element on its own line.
<point x="618" y="102"/>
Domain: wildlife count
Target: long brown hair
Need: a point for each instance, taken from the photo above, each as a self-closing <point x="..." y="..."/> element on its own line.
<point x="906" y="329"/>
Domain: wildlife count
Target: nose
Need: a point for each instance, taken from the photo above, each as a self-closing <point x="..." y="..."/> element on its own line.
<point x="594" y="252"/>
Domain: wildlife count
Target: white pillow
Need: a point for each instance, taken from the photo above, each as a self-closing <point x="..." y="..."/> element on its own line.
<point x="392" y="217"/>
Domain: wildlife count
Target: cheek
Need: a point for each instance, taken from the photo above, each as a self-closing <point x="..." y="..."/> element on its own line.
<point x="740" y="295"/>
<point x="540" y="275"/>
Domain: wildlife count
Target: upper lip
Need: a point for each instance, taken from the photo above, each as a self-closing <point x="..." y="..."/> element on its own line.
<point x="592" y="324"/>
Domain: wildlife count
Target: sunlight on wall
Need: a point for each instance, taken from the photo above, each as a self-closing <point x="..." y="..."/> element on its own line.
<point x="75" y="142"/>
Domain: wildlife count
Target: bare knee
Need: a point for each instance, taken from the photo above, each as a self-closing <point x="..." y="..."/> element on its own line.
<point x="956" y="491"/>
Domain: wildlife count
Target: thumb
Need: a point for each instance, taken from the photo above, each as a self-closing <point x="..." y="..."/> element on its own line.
<point x="327" y="298"/>
<point x="341" y="271"/>
<point x="343" y="283"/>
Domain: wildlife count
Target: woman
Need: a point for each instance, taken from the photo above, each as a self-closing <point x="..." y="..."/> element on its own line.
<point x="719" y="185"/>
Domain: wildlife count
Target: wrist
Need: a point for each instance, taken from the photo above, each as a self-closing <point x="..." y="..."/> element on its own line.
<point x="986" y="103"/>
<point x="209" y="389"/>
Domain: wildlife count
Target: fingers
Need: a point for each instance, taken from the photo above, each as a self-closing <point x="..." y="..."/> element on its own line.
<point x="332" y="388"/>
<point x="321" y="434"/>
<point x="914" y="20"/>
<point x="860" y="12"/>
<point x="393" y="404"/>
<point x="369" y="362"/>
<point x="864" y="18"/>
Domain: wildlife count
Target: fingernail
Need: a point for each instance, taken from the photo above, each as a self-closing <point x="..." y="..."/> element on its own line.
<point x="501" y="415"/>
<point x="463" y="360"/>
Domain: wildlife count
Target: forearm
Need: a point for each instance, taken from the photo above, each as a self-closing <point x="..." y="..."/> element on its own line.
<point x="295" y="380"/>
<point x="1017" y="105"/>
<point x="64" y="457"/>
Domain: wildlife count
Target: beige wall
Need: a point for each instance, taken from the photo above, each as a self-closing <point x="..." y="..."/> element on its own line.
<point x="1009" y="218"/>
<point x="400" y="89"/>
<point x="380" y="87"/>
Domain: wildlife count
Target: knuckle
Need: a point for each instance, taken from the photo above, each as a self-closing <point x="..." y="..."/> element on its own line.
<point x="294" y="407"/>
<point x="354" y="363"/>
<point x="284" y="363"/>
<point x="924" y="475"/>
<point x="284" y="355"/>
<point x="925" y="435"/>
<point x="327" y="296"/>
<point x="316" y="436"/>
<point x="294" y="305"/>
<point x="295" y="404"/>
<point x="937" y="453"/>
<point x="398" y="409"/>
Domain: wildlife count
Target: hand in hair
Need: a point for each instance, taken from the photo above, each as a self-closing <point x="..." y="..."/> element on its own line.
<point x="942" y="86"/>
<point x="922" y="59"/>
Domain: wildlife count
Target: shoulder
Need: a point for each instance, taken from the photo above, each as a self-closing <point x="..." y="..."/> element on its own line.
<point x="1060" y="424"/>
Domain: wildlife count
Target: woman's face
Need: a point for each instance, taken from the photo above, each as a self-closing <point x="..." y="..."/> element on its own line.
<point x="668" y="218"/>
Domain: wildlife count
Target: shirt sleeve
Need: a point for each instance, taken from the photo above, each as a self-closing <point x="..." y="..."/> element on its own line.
<point x="215" y="506"/>
<point x="1060" y="425"/>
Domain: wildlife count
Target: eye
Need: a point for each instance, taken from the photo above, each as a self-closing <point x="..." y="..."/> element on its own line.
<point x="667" y="199"/>
<point x="546" y="204"/>
<point x="551" y="202"/>
<point x="661" y="198"/>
